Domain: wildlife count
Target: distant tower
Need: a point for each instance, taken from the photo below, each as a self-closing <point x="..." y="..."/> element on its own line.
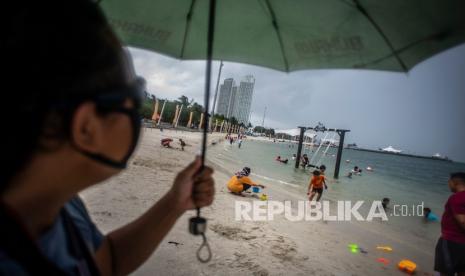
<point x="225" y="97"/>
<point x="243" y="101"/>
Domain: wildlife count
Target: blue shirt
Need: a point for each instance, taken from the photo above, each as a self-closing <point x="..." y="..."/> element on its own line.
<point x="56" y="245"/>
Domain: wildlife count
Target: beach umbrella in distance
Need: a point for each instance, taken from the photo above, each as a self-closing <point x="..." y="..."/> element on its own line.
<point x="291" y="35"/>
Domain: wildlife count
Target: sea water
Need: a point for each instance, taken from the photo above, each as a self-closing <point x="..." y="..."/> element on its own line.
<point x="405" y="180"/>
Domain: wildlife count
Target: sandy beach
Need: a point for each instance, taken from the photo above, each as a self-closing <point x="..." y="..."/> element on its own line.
<point x="275" y="247"/>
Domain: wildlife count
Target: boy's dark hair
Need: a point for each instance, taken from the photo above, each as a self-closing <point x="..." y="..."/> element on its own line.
<point x="52" y="51"/>
<point x="460" y="176"/>
<point x="322" y="167"/>
<point x="316" y="172"/>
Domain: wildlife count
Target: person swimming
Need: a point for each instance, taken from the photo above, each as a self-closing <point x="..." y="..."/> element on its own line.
<point x="241" y="182"/>
<point x="294" y="156"/>
<point x="429" y="215"/>
<point x="385" y="202"/>
<point x="278" y="158"/>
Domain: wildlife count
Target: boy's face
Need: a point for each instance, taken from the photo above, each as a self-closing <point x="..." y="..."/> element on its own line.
<point x="456" y="185"/>
<point x="453" y="185"/>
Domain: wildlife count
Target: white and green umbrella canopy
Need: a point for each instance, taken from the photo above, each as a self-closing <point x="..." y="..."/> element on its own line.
<point x="290" y="35"/>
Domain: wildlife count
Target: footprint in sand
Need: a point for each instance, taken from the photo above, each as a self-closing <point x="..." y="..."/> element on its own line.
<point x="279" y="247"/>
<point x="154" y="164"/>
<point x="231" y="233"/>
<point x="243" y="262"/>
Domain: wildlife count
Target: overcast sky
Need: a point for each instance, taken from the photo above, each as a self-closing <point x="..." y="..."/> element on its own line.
<point x="420" y="112"/>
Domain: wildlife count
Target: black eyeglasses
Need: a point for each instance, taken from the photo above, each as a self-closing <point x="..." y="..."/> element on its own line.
<point x="107" y="100"/>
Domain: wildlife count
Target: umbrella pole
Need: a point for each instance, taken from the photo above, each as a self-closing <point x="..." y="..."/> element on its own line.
<point x="197" y="224"/>
<point x="211" y="29"/>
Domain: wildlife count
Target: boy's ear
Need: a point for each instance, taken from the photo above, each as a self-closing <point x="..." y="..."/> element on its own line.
<point x="85" y="127"/>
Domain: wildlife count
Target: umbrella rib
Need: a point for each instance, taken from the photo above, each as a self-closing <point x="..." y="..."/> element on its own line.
<point x="186" y="29"/>
<point x="278" y="33"/>
<point x="380" y="31"/>
<point x="437" y="36"/>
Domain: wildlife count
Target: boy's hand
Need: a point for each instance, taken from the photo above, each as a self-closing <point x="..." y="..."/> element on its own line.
<point x="326" y="187"/>
<point x="192" y="189"/>
<point x="262" y="186"/>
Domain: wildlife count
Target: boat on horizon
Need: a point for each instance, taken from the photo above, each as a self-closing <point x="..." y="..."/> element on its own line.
<point x="438" y="156"/>
<point x="390" y="149"/>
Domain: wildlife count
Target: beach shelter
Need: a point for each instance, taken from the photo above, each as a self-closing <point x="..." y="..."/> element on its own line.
<point x="291" y="35"/>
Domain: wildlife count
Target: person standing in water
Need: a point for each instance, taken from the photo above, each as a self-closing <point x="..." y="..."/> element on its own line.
<point x="304" y="160"/>
<point x="316" y="185"/>
<point x="322" y="169"/>
<point x="241" y="182"/>
<point x="450" y="249"/>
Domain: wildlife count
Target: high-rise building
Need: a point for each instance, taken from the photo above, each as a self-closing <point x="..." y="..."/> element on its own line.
<point x="236" y="101"/>
<point x="232" y="101"/>
<point x="243" y="100"/>
<point x="225" y="97"/>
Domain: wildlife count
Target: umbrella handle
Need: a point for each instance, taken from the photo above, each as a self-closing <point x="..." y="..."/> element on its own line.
<point x="207" y="247"/>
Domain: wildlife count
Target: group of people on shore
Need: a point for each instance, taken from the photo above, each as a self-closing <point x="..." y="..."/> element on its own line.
<point x="166" y="143"/>
<point x="232" y="139"/>
<point x="240" y="182"/>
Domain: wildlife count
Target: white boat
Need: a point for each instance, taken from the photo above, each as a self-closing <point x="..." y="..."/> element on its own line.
<point x="440" y="157"/>
<point x="391" y="150"/>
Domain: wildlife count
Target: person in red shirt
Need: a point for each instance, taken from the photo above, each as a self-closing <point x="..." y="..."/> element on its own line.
<point x="450" y="249"/>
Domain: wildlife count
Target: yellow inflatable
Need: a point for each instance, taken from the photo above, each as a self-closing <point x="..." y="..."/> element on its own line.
<point x="263" y="197"/>
<point x="407" y="266"/>
<point x="384" y="248"/>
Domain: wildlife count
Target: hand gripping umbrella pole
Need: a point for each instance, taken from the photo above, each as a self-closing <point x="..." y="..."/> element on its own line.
<point x="198" y="224"/>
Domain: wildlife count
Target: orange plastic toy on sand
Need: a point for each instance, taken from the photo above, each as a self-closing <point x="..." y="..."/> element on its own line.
<point x="407" y="266"/>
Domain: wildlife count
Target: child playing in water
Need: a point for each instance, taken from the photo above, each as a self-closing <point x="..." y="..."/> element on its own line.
<point x="316" y="185"/>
